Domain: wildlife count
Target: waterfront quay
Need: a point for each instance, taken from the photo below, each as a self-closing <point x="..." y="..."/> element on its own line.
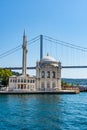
<point x="41" y="92"/>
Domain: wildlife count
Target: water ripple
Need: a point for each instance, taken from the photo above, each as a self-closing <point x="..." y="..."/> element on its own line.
<point x="43" y="112"/>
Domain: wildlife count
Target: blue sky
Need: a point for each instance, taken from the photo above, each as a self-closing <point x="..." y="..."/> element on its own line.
<point x="61" y="19"/>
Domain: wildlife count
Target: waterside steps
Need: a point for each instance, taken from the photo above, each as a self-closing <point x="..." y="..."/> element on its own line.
<point x="41" y="92"/>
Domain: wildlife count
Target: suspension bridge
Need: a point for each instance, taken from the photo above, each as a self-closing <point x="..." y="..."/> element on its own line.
<point x="45" y="44"/>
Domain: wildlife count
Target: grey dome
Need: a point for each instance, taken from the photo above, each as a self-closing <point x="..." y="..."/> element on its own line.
<point x="49" y="60"/>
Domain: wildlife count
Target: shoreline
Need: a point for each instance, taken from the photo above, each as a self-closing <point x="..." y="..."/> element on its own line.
<point x="41" y="92"/>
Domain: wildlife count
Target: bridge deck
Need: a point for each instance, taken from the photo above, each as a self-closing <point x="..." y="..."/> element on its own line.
<point x="63" y="67"/>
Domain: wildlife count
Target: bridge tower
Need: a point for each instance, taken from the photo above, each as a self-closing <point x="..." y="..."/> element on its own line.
<point x="24" y="58"/>
<point x="41" y="47"/>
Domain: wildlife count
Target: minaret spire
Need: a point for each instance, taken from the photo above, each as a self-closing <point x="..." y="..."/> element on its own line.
<point x="24" y="58"/>
<point x="24" y="33"/>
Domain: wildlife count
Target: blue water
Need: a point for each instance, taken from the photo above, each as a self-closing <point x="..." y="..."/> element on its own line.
<point x="43" y="112"/>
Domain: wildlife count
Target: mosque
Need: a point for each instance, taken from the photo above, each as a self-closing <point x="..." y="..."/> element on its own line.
<point x="47" y="79"/>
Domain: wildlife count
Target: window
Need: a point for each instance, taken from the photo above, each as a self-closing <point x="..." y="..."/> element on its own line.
<point x="18" y="86"/>
<point x="53" y="74"/>
<point x="48" y="74"/>
<point x="10" y="80"/>
<point x="21" y="86"/>
<point x="28" y="80"/>
<point x="24" y="80"/>
<point x="42" y="85"/>
<point x="24" y="86"/>
<point x="48" y="84"/>
<point x="18" y="80"/>
<point x="21" y="80"/>
<point x="33" y="81"/>
<point x="43" y="74"/>
<point x="15" y="80"/>
<point x="53" y="85"/>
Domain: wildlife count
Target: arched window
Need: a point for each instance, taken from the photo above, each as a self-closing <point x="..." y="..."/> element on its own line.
<point x="43" y="74"/>
<point x="24" y="80"/>
<point x="21" y="86"/>
<point x="48" y="74"/>
<point x="21" y="80"/>
<point x="48" y="84"/>
<point x="28" y="80"/>
<point x="53" y="74"/>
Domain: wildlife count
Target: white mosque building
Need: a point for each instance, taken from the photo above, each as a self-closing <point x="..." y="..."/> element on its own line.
<point x="47" y="79"/>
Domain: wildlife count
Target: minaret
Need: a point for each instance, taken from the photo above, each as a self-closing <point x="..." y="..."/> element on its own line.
<point x="24" y="58"/>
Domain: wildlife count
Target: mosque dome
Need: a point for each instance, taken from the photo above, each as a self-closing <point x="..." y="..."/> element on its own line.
<point x="49" y="60"/>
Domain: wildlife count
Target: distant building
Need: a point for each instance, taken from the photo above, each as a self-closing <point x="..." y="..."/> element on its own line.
<point x="48" y="75"/>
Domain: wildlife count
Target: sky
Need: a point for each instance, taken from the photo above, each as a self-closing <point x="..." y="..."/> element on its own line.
<point x="65" y="20"/>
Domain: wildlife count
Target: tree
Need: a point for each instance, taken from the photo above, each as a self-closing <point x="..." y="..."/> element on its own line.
<point x="4" y="76"/>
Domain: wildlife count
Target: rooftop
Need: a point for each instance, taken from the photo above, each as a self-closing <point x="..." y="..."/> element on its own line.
<point x="48" y="58"/>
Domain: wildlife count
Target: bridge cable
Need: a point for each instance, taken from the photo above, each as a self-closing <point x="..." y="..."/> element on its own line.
<point x="50" y="39"/>
<point x="18" y="48"/>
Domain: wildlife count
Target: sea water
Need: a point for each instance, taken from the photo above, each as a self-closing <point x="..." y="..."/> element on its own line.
<point x="43" y="112"/>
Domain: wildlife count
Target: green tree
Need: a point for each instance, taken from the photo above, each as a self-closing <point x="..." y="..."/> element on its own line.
<point x="4" y="76"/>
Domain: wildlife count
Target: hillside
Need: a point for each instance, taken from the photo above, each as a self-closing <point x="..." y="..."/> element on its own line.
<point x="75" y="81"/>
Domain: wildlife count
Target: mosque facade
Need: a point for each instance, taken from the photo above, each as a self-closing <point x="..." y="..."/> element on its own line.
<point x="47" y="78"/>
